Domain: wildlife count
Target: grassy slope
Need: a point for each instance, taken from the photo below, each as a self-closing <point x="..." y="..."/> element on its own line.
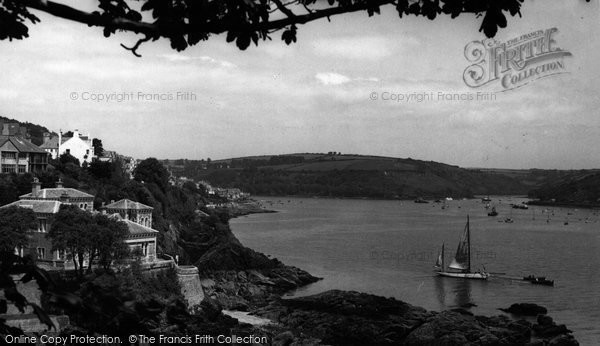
<point x="360" y="176"/>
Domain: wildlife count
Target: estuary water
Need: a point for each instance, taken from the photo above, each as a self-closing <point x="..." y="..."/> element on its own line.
<point x="388" y="248"/>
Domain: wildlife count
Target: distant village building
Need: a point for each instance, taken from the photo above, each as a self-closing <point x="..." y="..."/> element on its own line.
<point x="14" y="129"/>
<point x="78" y="146"/>
<point x="18" y="155"/>
<point x="45" y="203"/>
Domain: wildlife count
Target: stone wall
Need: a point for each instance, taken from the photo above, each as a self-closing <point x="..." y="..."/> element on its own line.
<point x="190" y="285"/>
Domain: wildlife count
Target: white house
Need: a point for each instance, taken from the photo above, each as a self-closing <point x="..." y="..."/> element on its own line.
<point x="78" y="146"/>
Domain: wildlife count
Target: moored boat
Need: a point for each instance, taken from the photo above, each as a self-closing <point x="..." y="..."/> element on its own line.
<point x="460" y="267"/>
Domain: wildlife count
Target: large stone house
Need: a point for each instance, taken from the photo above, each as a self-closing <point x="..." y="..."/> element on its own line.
<point x="45" y="203"/>
<point x="18" y="155"/>
<point x="83" y="200"/>
<point x="78" y="146"/>
<point x="130" y="210"/>
<point x="138" y="218"/>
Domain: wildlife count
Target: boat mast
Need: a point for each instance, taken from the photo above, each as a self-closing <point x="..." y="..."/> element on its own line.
<point x="443" y="257"/>
<point x="468" y="245"/>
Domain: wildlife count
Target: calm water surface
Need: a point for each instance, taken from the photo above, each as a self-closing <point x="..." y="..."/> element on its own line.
<point x="388" y="248"/>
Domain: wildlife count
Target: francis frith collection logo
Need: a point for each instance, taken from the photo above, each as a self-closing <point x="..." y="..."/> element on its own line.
<point x="516" y="62"/>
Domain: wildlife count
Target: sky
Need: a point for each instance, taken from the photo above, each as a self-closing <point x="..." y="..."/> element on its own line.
<point x="336" y="89"/>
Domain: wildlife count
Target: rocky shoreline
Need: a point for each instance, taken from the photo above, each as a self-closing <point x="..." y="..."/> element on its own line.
<point x="352" y="318"/>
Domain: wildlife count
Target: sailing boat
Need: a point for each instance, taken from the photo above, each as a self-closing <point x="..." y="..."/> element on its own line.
<point x="460" y="267"/>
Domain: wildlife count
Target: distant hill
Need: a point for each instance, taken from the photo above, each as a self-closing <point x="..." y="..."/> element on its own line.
<point x="336" y="175"/>
<point x="35" y="131"/>
<point x="580" y="188"/>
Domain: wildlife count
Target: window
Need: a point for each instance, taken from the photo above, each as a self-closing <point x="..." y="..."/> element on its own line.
<point x="42" y="225"/>
<point x="23" y="155"/>
<point x="41" y="252"/>
<point x="9" y="168"/>
<point x="85" y="206"/>
<point x="87" y="151"/>
<point x="58" y="255"/>
<point x="9" y="155"/>
<point x="22" y="168"/>
<point x="68" y="151"/>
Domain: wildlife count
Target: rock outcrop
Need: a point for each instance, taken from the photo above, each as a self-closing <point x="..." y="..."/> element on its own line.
<point x="353" y="318"/>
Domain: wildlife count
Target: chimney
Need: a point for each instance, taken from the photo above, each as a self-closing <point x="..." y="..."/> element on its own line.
<point x="64" y="197"/>
<point x="59" y="183"/>
<point x="6" y="129"/>
<point x="35" y="187"/>
<point x="76" y="133"/>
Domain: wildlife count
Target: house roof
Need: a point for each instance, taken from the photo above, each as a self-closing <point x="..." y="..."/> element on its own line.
<point x="38" y="207"/>
<point x="51" y="143"/>
<point x="127" y="204"/>
<point x="21" y="145"/>
<point x="55" y="193"/>
<point x="136" y="228"/>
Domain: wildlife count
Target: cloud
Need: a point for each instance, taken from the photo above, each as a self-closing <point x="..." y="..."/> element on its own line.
<point x="332" y="78"/>
<point x="206" y="59"/>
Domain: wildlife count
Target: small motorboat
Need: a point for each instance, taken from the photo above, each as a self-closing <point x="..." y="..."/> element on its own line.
<point x="493" y="212"/>
<point x="541" y="280"/>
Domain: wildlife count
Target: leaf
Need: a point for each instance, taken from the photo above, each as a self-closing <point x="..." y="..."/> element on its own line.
<point x="17" y="298"/>
<point x="231" y="35"/>
<point x="66" y="299"/>
<point x="401" y="7"/>
<point x="243" y="41"/>
<point x="42" y="316"/>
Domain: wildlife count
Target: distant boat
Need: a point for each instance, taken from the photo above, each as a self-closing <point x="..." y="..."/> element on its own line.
<point x="486" y="199"/>
<point x="460" y="267"/>
<point x="493" y="212"/>
<point x="420" y="200"/>
<point x="541" y="280"/>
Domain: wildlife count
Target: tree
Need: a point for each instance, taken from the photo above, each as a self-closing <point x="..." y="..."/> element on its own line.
<point x="151" y="171"/>
<point x="187" y="22"/>
<point x="69" y="234"/>
<point x="108" y="240"/>
<point x="66" y="158"/>
<point x="100" y="169"/>
<point x="15" y="223"/>
<point x="98" y="148"/>
<point x="88" y="237"/>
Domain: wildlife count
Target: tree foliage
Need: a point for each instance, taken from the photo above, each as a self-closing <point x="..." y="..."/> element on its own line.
<point x="151" y="171"/>
<point x="98" y="148"/>
<point x="84" y="236"/>
<point x="187" y="22"/>
<point x="67" y="158"/>
<point x="15" y="223"/>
